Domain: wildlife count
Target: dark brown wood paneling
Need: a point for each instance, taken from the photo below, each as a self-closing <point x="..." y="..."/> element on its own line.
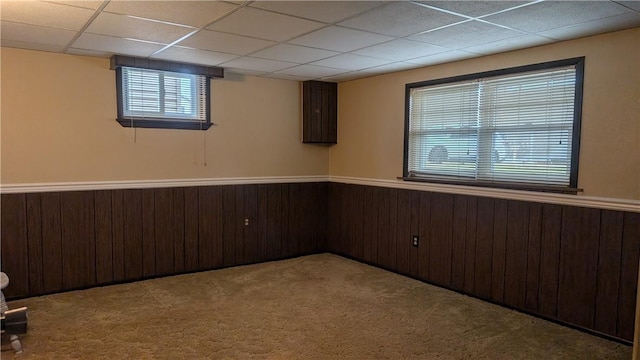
<point x="228" y="226"/>
<point x="132" y="204"/>
<point x="285" y="208"/>
<point x="424" y="247"/>
<point x="440" y="238"/>
<point x="515" y="273"/>
<point x="533" y="257"/>
<point x="117" y="231"/>
<point x="415" y="231"/>
<point x="250" y="231"/>
<point x="177" y="229"/>
<point x="210" y="233"/>
<point x="15" y="258"/>
<point x="104" y="244"/>
<point x="274" y="222"/>
<point x="608" y="272"/>
<point x="470" y="245"/>
<point x="628" y="275"/>
<point x="335" y="216"/>
<point x="51" y="242"/>
<point x="499" y="249"/>
<point x="163" y="220"/>
<point x="34" y="244"/>
<point x="356" y="222"/>
<point x="403" y="240"/>
<point x="78" y="239"/>
<point x="458" y="241"/>
<point x="261" y="222"/>
<point x="148" y="233"/>
<point x="383" y="227"/>
<point x="549" y="259"/>
<point x="191" y="228"/>
<point x="293" y="237"/>
<point x="393" y="228"/>
<point x="578" y="265"/>
<point x="484" y="247"/>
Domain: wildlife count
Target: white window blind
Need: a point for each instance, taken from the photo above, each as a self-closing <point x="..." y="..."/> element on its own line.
<point x="514" y="128"/>
<point x="163" y="95"/>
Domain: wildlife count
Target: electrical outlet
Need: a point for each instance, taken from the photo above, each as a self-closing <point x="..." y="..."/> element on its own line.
<point x="415" y="240"/>
<point x="246" y="221"/>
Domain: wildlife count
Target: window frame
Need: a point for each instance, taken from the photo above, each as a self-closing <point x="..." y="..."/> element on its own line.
<point x="118" y="62"/>
<point x="572" y="188"/>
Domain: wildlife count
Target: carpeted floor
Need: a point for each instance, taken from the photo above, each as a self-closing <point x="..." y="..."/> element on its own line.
<point x="314" y="307"/>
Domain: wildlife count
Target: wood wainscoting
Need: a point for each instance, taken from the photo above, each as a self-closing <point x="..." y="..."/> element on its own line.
<point x="577" y="265"/>
<point x="59" y="241"/>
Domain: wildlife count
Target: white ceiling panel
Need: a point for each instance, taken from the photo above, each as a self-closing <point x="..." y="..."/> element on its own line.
<point x="307" y="39"/>
<point x="442" y="57"/>
<point x="294" y="53"/>
<point x="466" y="34"/>
<point x="116" y="45"/>
<point x="400" y="49"/>
<point x="510" y="44"/>
<point x="227" y="43"/>
<point x="192" y="13"/>
<point x="137" y="28"/>
<point x="89" y="4"/>
<point x="264" y="25"/>
<point x="255" y="64"/>
<point x="400" y="18"/>
<point x="350" y="62"/>
<point x="43" y="37"/>
<point x="204" y="57"/>
<point x="45" y="14"/>
<point x="338" y="38"/>
<point x="311" y="71"/>
<point x="556" y="14"/>
<point x="325" y="11"/>
<point x="612" y="23"/>
<point x="474" y="8"/>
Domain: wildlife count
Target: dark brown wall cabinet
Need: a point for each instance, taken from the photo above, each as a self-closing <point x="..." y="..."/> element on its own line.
<point x="320" y="112"/>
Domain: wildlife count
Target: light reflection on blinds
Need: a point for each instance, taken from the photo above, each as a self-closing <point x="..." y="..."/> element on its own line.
<point x="514" y="128"/>
<point x="163" y="95"/>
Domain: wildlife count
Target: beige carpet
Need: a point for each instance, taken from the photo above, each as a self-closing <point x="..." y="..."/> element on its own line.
<point x="314" y="307"/>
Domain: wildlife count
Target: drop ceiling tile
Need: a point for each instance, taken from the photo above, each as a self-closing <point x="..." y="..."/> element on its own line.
<point x="136" y="28"/>
<point x="31" y="46"/>
<point x="549" y="15"/>
<point x="519" y="42"/>
<point x="312" y="71"/>
<point x="350" y="62"/>
<point x="635" y="5"/>
<point x="116" y="45"/>
<point x="288" y="77"/>
<point x="254" y="64"/>
<point x="444" y="57"/>
<point x="466" y="34"/>
<point x="84" y="52"/>
<point x="400" y="49"/>
<point x="353" y="75"/>
<point x="44" y="14"/>
<point x="294" y="53"/>
<point x="325" y="11"/>
<point x="613" y="23"/>
<point x="397" y="66"/>
<point x="400" y="18"/>
<point x="473" y="8"/>
<point x="192" y="13"/>
<point x="195" y="56"/>
<point x="338" y="38"/>
<point x="264" y="25"/>
<point x="38" y="36"/>
<point x="226" y="43"/>
<point x="89" y="4"/>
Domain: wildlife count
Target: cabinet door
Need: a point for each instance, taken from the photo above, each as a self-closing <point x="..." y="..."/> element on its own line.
<point x="320" y="112"/>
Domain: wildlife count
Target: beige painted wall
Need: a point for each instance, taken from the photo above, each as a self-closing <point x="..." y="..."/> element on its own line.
<point x="58" y="125"/>
<point x="371" y="113"/>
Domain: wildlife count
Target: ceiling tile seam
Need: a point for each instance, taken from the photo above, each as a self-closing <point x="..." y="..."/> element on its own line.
<point x="468" y="17"/>
<point x="511" y="8"/>
<point x="621" y="4"/>
<point x="151" y="20"/>
<point x="86" y="25"/>
<point x="71" y="4"/>
<point x="228" y="13"/>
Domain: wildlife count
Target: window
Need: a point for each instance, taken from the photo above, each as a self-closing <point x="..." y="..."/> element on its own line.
<point x="513" y="128"/>
<point x="158" y="94"/>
